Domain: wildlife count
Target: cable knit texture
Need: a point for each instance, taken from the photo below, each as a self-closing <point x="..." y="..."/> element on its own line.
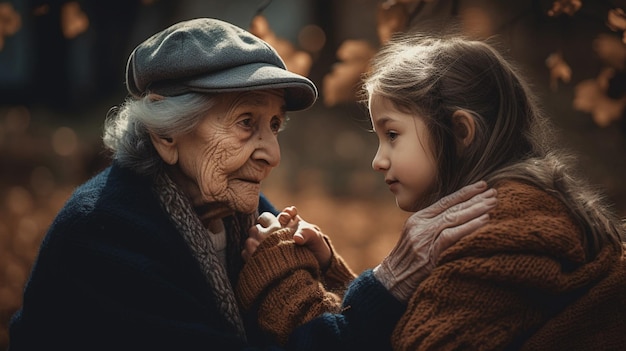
<point x="284" y="281"/>
<point x="521" y="281"/>
<point x="177" y="205"/>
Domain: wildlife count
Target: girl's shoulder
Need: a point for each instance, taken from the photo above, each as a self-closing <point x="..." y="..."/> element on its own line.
<point x="519" y="199"/>
<point x="527" y="220"/>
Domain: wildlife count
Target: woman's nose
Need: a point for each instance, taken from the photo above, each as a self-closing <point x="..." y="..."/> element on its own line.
<point x="268" y="149"/>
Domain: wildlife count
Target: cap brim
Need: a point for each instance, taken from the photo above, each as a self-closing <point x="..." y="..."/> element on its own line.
<point x="300" y="92"/>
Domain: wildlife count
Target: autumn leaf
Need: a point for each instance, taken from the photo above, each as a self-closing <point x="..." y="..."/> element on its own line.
<point x="297" y="61"/>
<point x="559" y="70"/>
<point x="611" y="50"/>
<point x="73" y="20"/>
<point x="341" y="83"/>
<point x="616" y="21"/>
<point x="389" y="3"/>
<point x="590" y="97"/>
<point x="10" y="22"/>
<point x="568" y="7"/>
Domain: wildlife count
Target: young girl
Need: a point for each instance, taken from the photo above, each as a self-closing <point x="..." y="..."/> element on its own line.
<point x="548" y="270"/>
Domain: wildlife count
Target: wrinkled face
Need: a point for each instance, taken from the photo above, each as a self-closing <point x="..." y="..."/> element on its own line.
<point x="404" y="154"/>
<point x="223" y="161"/>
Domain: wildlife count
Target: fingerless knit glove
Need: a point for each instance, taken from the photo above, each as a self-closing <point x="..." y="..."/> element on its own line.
<point x="285" y="282"/>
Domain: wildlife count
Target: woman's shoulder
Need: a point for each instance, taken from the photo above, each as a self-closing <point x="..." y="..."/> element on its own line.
<point x="115" y="197"/>
<point x="112" y="187"/>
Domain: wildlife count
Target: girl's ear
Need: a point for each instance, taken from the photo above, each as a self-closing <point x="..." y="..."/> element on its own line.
<point x="166" y="147"/>
<point x="464" y="128"/>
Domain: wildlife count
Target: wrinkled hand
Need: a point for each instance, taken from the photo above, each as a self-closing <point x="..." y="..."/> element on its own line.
<point x="305" y="234"/>
<point x="429" y="232"/>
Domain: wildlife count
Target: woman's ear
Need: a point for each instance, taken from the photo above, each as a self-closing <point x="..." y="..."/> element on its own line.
<point x="464" y="128"/>
<point x="166" y="147"/>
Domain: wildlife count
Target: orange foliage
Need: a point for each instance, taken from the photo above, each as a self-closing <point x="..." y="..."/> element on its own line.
<point x="568" y="7"/>
<point x="610" y="50"/>
<point x="616" y="21"/>
<point x="73" y="20"/>
<point x="10" y="22"/>
<point x="297" y="61"/>
<point x="559" y="70"/>
<point x="590" y="96"/>
<point x="26" y="210"/>
<point x="341" y="84"/>
<point x="312" y="38"/>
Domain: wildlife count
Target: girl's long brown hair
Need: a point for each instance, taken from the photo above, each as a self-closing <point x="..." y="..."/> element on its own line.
<point x="434" y="77"/>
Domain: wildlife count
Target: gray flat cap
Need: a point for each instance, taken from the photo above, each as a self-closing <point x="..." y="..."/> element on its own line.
<point x="207" y="55"/>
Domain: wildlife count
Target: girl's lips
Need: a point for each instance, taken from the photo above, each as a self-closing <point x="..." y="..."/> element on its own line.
<point x="393" y="184"/>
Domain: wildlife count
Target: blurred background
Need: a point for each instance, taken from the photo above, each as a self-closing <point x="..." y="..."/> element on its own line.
<point x="62" y="68"/>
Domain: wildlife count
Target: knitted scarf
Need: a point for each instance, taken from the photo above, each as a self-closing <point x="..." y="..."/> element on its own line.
<point x="181" y="212"/>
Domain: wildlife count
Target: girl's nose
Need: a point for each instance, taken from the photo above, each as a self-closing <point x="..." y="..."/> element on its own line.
<point x="380" y="163"/>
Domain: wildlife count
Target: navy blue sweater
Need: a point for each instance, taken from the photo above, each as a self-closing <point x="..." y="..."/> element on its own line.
<point x="113" y="273"/>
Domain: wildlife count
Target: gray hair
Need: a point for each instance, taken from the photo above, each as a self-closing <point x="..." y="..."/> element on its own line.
<point x="127" y="128"/>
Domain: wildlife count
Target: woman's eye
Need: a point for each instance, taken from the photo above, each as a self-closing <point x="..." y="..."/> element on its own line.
<point x="276" y="125"/>
<point x="246" y="122"/>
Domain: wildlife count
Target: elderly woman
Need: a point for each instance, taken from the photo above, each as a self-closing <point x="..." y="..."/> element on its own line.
<point x="144" y="256"/>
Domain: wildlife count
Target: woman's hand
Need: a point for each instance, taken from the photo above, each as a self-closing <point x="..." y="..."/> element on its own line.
<point x="305" y="234"/>
<point x="429" y="232"/>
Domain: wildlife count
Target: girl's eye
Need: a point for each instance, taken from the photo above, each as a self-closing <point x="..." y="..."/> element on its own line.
<point x="391" y="135"/>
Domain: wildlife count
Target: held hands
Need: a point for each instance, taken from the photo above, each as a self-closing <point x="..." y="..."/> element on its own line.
<point x="429" y="232"/>
<point x="305" y="234"/>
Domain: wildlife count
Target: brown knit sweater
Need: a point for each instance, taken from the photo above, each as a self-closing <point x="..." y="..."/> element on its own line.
<point x="521" y="281"/>
<point x="299" y="290"/>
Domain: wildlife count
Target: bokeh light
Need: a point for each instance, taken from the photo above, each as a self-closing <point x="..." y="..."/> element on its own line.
<point x="312" y="38"/>
<point x="19" y="201"/>
<point x="17" y="120"/>
<point x="64" y="141"/>
<point x="73" y="20"/>
<point x="42" y="181"/>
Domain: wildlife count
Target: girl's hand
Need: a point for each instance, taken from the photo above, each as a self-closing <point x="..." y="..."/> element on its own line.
<point x="305" y="234"/>
<point x="267" y="223"/>
<point x="429" y="232"/>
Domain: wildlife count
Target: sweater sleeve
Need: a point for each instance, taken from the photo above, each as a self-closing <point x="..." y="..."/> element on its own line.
<point x="338" y="275"/>
<point x="368" y="314"/>
<point x="283" y="283"/>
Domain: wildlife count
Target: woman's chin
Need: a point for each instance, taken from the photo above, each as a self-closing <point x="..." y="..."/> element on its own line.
<point x="248" y="207"/>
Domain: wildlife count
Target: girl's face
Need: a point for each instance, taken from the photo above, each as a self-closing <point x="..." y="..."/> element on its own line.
<point x="404" y="153"/>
